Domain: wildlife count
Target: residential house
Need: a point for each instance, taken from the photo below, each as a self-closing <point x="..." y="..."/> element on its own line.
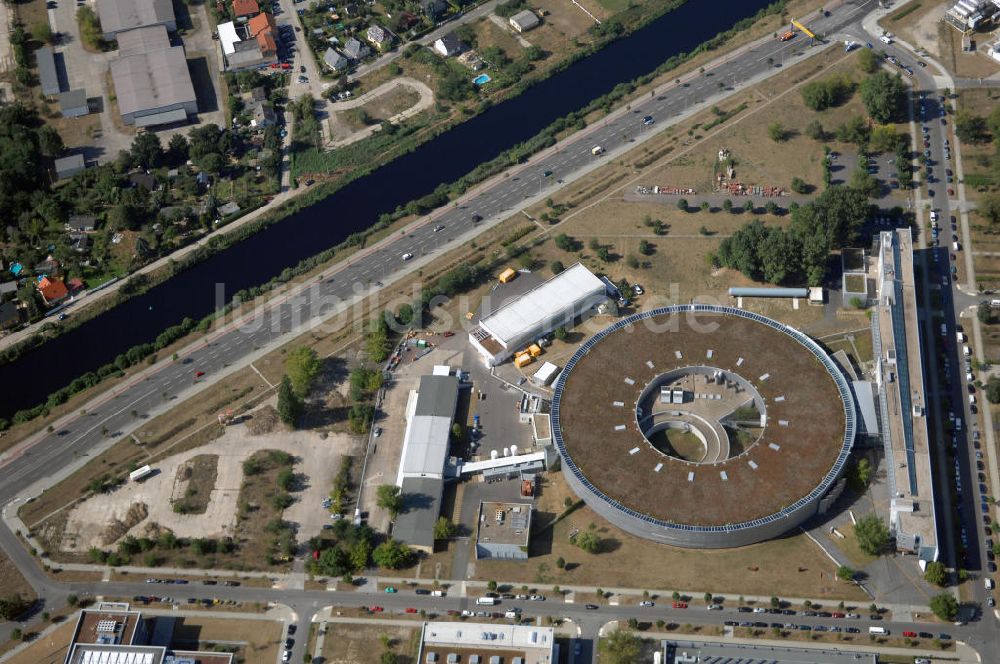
<point x="258" y="94"/>
<point x="67" y="167"/>
<point x="263" y="28"/>
<point x="524" y="21"/>
<point x="433" y="9"/>
<point x="47" y="266"/>
<point x="81" y="223"/>
<point x="335" y="60"/>
<point x="228" y="209"/>
<point x="263" y="114"/>
<point x="52" y="290"/>
<point x="7" y="288"/>
<point x="246" y="8"/>
<point x="352" y="9"/>
<point x="75" y="285"/>
<point x="355" y="49"/>
<point x="10" y="315"/>
<point x="379" y="37"/>
<point x="146" y="180"/>
<point x="449" y="45"/>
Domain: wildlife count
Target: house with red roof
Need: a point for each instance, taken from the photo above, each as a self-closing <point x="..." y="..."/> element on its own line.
<point x="52" y="290"/>
<point x="245" y="8"/>
<point x="262" y="28"/>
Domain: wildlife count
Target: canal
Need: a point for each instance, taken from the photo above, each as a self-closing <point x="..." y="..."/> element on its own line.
<point x="43" y="370"/>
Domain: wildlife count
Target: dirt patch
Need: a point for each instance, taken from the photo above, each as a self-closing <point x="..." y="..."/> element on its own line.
<point x="11" y="580"/>
<point x="380" y="108"/>
<point x="116" y="528"/>
<point x="194" y="483"/>
<point x="364" y="644"/>
<point x="50" y="649"/>
<point x="261" y="421"/>
<point x="259" y="640"/>
<point x="217" y="477"/>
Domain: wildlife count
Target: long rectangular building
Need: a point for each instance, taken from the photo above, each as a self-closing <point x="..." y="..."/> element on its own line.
<point x="120" y="15"/>
<point x="522" y="320"/>
<point x="486" y="643"/>
<point x="902" y="396"/>
<point x="430" y="412"/>
<point x="151" y="78"/>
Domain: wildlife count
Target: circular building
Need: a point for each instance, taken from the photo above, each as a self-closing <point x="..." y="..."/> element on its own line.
<point x="702" y="426"/>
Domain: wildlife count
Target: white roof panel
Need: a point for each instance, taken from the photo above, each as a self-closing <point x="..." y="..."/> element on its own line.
<point x="426" y="446"/>
<point x="228" y="37"/>
<point x="547" y="301"/>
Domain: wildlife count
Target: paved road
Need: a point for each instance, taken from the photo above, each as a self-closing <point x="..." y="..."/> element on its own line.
<point x="47" y="457"/>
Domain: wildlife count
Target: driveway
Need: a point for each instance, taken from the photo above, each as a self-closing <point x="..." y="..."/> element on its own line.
<point x="425" y="101"/>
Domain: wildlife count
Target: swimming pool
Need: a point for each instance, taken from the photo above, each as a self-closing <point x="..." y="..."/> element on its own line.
<point x="482" y="79"/>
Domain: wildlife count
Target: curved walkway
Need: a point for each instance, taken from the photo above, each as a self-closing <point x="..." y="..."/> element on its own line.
<point x="716" y="445"/>
<point x="423" y="103"/>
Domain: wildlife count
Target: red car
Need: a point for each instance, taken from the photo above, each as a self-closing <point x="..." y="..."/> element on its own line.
<point x="680" y="605"/>
<point x="199" y="374"/>
<point x="285" y="65"/>
<point x="837" y="614"/>
<point x="910" y="634"/>
<point x="411" y="610"/>
<point x="376" y="609"/>
<point x="274" y="65"/>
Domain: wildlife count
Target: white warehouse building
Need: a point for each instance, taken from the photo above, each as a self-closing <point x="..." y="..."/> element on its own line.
<point x="521" y="321"/>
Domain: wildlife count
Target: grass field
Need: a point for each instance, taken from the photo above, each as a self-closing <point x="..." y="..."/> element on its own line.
<point x="792" y="563"/>
<point x="11" y="580"/>
<point x="50" y="649"/>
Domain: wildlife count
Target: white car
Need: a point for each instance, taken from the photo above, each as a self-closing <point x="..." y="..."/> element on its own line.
<point x="407" y="256"/>
<point x="287" y="656"/>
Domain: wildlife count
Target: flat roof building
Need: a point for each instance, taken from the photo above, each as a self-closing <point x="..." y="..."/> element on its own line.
<point x="152" y="81"/>
<point x="486" y="643"/>
<point x="503" y="531"/>
<point x="73" y="104"/>
<point x="522" y="320"/>
<point x="967" y="15"/>
<point x="121" y="15"/>
<point x="114" y="634"/>
<point x="430" y="411"/>
<point x="48" y="75"/>
<point x="694" y="652"/>
<point x="902" y="399"/>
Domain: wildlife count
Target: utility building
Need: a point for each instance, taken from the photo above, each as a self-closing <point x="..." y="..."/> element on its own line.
<point x="503" y="531"/>
<point x="522" y="320"/>
<point x="121" y="15"/>
<point x="151" y="78"/>
<point x="430" y="412"/>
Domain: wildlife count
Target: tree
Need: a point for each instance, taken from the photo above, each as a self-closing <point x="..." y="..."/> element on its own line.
<point x="404" y="314"/>
<point x="775" y="602"/>
<point x="682" y="204"/>
<point x="564" y="242"/>
<point x="556" y="266"/>
<point x="777" y="132"/>
<point x="944" y="606"/>
<point x="72" y="599"/>
<point x="589" y="540"/>
<point x="799" y="186"/>
<point x="984" y="312"/>
<point x="302" y="366"/>
<point x="645" y="248"/>
<point x="361" y="552"/>
<point x="49" y="141"/>
<point x="619" y="647"/>
<point x="936" y="573"/>
<point x="993" y="389"/>
<point x="147" y="151"/>
<point x="177" y="150"/>
<point x="561" y="562"/>
<point x="814" y="130"/>
<point x="872" y="534"/>
<point x="387" y="657"/>
<point x="289" y="404"/>
<point x="845" y="573"/>
<point x="444" y="528"/>
<point x="377" y="340"/>
<point x="868" y="60"/>
<point x="989" y="206"/>
<point x="12" y="606"/>
<point x="391" y="555"/>
<point x="390" y="499"/>
<point x="862" y="180"/>
<point x="883" y="95"/>
<point x="971" y="128"/>
<point x="560" y="333"/>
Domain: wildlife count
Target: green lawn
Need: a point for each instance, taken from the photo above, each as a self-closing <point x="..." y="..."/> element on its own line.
<point x="615" y="5"/>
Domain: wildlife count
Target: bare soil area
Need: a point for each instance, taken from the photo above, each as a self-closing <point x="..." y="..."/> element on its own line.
<point x="317" y="460"/>
<point x="364" y="644"/>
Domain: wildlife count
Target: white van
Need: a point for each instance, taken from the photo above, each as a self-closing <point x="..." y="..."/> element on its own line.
<point x="596" y="150"/>
<point x="988" y="583"/>
<point x="966" y="350"/>
<point x="437" y="593"/>
<point x="878" y="630"/>
<point x="487" y="601"/>
<point x="955" y="246"/>
<point x="885" y="39"/>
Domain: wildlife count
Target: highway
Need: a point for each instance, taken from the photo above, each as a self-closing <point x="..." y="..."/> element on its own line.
<point x="383" y="268"/>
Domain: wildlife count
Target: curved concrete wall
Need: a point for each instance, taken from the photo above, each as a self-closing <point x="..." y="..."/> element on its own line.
<point x="694" y="536"/>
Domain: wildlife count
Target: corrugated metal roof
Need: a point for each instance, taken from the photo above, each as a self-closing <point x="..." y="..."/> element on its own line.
<point x="120" y="15"/>
<point x="438" y="396"/>
<point x="47" y="73"/>
<point x="228" y="37"/>
<point x="550" y="300"/>
<point x="155" y="79"/>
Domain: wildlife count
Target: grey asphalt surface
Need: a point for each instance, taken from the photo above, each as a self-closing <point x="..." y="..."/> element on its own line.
<point x="81" y="435"/>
